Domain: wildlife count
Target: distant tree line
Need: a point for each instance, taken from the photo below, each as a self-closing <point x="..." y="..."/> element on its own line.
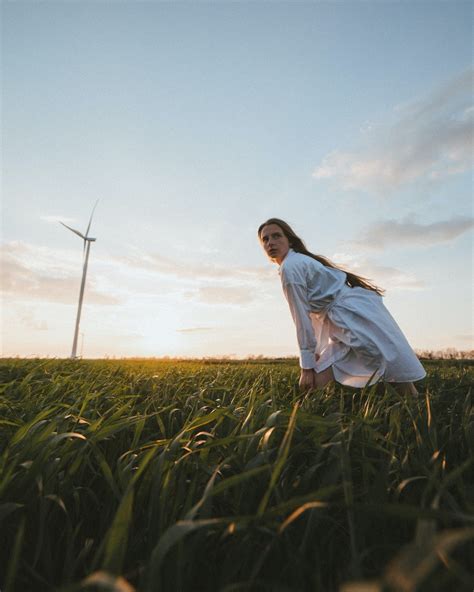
<point x="449" y="353"/>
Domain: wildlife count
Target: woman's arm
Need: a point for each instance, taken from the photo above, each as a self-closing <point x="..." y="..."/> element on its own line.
<point x="296" y="294"/>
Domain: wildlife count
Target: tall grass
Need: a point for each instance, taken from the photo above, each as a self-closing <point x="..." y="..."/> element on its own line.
<point x="186" y="476"/>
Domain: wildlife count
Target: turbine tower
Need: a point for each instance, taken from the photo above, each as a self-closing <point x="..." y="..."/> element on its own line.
<point x="87" y="245"/>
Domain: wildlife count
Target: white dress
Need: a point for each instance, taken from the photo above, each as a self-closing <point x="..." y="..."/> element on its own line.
<point x="346" y="328"/>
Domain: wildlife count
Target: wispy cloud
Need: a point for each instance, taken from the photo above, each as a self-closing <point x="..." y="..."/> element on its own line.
<point x="185" y="269"/>
<point x="28" y="284"/>
<point x="468" y="337"/>
<point x="33" y="273"/>
<point x="28" y="320"/>
<point x="407" y="233"/>
<point x="56" y="219"/>
<point x="431" y="138"/>
<point x="223" y="295"/>
<point x="195" y="330"/>
<point x="204" y="283"/>
<point x="384" y="276"/>
<point x="392" y="278"/>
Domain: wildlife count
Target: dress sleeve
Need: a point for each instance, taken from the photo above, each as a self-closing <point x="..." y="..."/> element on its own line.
<point x="299" y="307"/>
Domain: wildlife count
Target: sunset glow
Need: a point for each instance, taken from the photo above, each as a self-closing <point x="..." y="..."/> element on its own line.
<point x="193" y="123"/>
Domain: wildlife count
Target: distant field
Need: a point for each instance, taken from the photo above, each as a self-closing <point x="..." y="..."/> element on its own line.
<point x="218" y="476"/>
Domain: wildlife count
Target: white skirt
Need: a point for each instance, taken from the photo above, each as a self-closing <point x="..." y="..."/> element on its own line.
<point x="360" y="340"/>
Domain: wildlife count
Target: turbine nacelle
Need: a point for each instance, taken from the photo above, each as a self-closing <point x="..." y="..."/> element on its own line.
<point x="86" y="238"/>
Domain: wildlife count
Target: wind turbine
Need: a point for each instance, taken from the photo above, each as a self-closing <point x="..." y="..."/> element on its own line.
<point x="87" y="245"/>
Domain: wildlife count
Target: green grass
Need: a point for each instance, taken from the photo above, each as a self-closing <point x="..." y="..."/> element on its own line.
<point x="186" y="476"/>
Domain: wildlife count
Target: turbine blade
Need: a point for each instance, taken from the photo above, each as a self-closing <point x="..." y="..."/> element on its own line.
<point x="90" y="221"/>
<point x="72" y="230"/>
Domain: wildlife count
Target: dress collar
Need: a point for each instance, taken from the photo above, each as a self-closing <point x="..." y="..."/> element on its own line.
<point x="290" y="252"/>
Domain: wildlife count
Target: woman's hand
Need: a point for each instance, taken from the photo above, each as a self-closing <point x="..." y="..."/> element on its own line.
<point x="307" y="379"/>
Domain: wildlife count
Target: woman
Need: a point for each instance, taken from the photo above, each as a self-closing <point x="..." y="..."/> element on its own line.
<point x="344" y="331"/>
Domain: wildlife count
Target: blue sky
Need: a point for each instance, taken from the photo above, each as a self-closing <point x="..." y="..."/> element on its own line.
<point x="194" y="122"/>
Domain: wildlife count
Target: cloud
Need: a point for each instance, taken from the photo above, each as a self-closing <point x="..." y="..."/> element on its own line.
<point x="29" y="272"/>
<point x="391" y="278"/>
<point x="35" y="272"/>
<point x="56" y="219"/>
<point x="28" y="320"/>
<point x="386" y="277"/>
<point x="406" y="233"/>
<point x="222" y="295"/>
<point x="430" y="139"/>
<point x="469" y="337"/>
<point x="205" y="283"/>
<point x="185" y="269"/>
<point x="195" y="330"/>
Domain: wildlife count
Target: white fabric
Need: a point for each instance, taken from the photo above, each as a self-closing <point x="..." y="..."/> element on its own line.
<point x="346" y="328"/>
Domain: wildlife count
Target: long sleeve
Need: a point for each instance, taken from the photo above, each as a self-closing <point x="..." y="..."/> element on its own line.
<point x="296" y="295"/>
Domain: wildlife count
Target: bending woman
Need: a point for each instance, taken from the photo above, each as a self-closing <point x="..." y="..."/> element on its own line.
<point x="344" y="331"/>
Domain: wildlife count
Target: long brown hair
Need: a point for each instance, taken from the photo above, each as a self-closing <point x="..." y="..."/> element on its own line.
<point x="298" y="245"/>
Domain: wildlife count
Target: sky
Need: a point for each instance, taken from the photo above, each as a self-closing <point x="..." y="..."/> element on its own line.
<point x="192" y="123"/>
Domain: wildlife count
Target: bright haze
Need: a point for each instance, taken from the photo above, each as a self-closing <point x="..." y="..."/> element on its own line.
<point x="195" y="122"/>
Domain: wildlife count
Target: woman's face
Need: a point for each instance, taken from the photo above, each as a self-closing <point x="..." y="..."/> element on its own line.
<point x="274" y="242"/>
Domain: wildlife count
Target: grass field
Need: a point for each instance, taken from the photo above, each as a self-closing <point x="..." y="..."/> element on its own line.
<point x="218" y="476"/>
